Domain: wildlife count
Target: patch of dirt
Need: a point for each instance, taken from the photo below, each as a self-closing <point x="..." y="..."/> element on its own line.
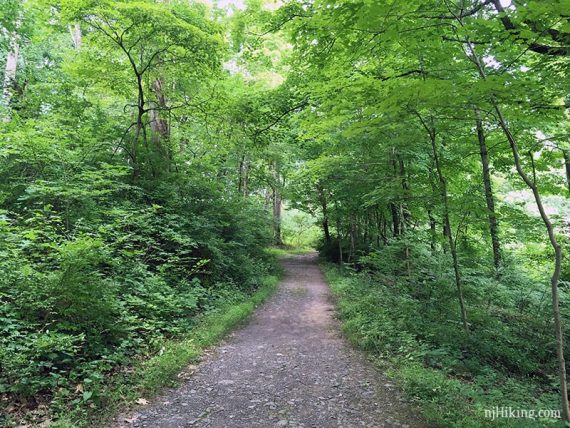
<point x="289" y="367"/>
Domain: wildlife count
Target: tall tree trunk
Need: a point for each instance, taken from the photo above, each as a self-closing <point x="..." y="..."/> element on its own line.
<point x="352" y="240"/>
<point x="326" y="230"/>
<point x="555" y="278"/>
<point x="381" y="225"/>
<point x="277" y="238"/>
<point x="433" y="232"/>
<point x="395" y="219"/>
<point x="277" y="217"/>
<point x="158" y="124"/>
<point x="490" y="200"/>
<point x="566" y="154"/>
<point x="405" y="214"/>
<point x="383" y="228"/>
<point x="339" y="238"/>
<point x="397" y="208"/>
<point x="140" y="126"/>
<point x="447" y="223"/>
<point x="10" y="70"/>
<point x="243" y="175"/>
<point x="366" y="229"/>
<point x="324" y="207"/>
<point x="75" y="31"/>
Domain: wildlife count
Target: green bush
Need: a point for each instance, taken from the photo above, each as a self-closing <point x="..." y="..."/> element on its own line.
<point x="94" y="284"/>
<point x="452" y="376"/>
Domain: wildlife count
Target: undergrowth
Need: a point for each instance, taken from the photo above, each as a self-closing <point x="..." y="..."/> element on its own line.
<point x="506" y="361"/>
<point x="147" y="377"/>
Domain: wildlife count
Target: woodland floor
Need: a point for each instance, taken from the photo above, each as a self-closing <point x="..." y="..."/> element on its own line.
<point x="289" y="367"/>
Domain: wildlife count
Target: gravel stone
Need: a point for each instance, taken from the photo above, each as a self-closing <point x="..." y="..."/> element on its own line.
<point x="289" y="367"/>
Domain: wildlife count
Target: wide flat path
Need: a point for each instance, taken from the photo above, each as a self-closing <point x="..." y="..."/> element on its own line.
<point x="289" y="367"/>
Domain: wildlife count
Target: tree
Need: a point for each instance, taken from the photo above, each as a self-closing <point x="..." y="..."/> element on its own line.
<point x="187" y="41"/>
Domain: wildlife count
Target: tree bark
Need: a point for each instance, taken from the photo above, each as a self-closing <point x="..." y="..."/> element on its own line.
<point x="433" y="232"/>
<point x="277" y="238"/>
<point x="325" y="223"/>
<point x="555" y="278"/>
<point x="395" y="219"/>
<point x="10" y="71"/>
<point x="277" y="217"/>
<point x="326" y="230"/>
<point x="243" y="175"/>
<point x="352" y="240"/>
<point x="158" y="123"/>
<point x="75" y="31"/>
<point x="405" y="215"/>
<point x="566" y="154"/>
<point x="493" y="226"/>
<point x="447" y="223"/>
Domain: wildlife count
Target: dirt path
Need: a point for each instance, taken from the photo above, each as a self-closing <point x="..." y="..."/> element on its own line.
<point x="289" y="367"/>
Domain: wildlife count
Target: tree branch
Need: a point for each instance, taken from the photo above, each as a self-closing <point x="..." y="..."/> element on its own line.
<point x="532" y="45"/>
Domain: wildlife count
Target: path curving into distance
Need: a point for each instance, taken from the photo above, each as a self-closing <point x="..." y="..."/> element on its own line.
<point x="288" y="367"/>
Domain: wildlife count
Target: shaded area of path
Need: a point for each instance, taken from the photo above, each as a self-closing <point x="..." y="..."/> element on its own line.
<point x="289" y="367"/>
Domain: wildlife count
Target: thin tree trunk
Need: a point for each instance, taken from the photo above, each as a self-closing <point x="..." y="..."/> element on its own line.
<point x="277" y="239"/>
<point x="352" y="240"/>
<point x="75" y="31"/>
<point x="10" y="71"/>
<point x="395" y="219"/>
<point x="493" y="227"/>
<point x="404" y="215"/>
<point x="433" y="233"/>
<point x="243" y="176"/>
<point x="384" y="229"/>
<point x="277" y="217"/>
<point x="447" y="224"/>
<point x="555" y="278"/>
<point x="378" y="226"/>
<point x="339" y="237"/>
<point x="158" y="123"/>
<point x="140" y="123"/>
<point x="365" y="223"/>
<point x="326" y="229"/>
<point x="566" y="154"/>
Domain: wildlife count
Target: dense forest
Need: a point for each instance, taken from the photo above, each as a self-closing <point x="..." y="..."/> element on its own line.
<point x="152" y="153"/>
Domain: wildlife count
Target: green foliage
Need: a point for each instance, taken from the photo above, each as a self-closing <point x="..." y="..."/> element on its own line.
<point x="452" y="378"/>
<point x="299" y="229"/>
<point x="145" y="146"/>
<point x="433" y="179"/>
<point x="146" y="378"/>
<point x="120" y="237"/>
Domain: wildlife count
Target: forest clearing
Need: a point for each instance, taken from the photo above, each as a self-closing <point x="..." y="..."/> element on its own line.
<point x="310" y="213"/>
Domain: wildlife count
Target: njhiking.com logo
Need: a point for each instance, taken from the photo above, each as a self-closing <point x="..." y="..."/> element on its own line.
<point x="511" y="413"/>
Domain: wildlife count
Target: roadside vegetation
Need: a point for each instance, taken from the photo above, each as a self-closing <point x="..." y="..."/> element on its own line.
<point x="152" y="151"/>
<point x="435" y="159"/>
<point x="135" y="209"/>
<point x="452" y="379"/>
<point x="173" y="363"/>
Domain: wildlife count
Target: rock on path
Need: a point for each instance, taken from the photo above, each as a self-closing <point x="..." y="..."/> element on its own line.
<point x="289" y="367"/>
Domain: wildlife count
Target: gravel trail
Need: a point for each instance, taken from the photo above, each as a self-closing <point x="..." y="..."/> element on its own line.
<point x="289" y="367"/>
